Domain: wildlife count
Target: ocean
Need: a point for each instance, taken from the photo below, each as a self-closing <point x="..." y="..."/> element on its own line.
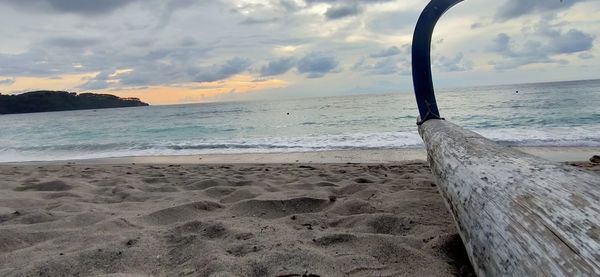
<point x="542" y="114"/>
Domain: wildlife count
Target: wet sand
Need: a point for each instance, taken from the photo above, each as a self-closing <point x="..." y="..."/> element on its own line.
<point x="556" y="154"/>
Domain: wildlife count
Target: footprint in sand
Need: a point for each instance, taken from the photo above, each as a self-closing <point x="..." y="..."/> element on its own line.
<point x="211" y="230"/>
<point x="35" y="217"/>
<point x="46" y="186"/>
<point x="7" y="214"/>
<point x="364" y="181"/>
<point x="334" y="239"/>
<point x="58" y="195"/>
<point x="204" y="184"/>
<point x="279" y="208"/>
<point x="391" y="224"/>
<point x="13" y="240"/>
<point x="239" y="195"/>
<point x="219" y="192"/>
<point x="354" y="207"/>
<point x="181" y="213"/>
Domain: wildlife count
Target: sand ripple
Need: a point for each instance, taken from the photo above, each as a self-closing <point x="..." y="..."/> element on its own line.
<point x="225" y="220"/>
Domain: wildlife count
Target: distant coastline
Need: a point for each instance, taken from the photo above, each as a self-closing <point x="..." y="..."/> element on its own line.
<point x="53" y="101"/>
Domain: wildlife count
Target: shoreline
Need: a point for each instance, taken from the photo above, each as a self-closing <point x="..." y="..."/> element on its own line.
<point x="368" y="156"/>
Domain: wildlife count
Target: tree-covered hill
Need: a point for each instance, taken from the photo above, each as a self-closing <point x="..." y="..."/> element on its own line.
<point x="50" y="101"/>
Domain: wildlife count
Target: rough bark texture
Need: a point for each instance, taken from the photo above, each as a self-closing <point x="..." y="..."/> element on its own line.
<point x="518" y="215"/>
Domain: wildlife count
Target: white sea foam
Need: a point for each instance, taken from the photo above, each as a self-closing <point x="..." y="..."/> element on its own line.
<point x="553" y="136"/>
<point x="558" y="136"/>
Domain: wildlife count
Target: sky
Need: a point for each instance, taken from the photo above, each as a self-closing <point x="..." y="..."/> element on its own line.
<point x="187" y="51"/>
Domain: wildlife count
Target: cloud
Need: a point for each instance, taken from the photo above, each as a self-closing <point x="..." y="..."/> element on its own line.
<point x="164" y="67"/>
<point x="396" y="60"/>
<point x="100" y="81"/>
<point x="451" y="64"/>
<point x="516" y="8"/>
<point x="392" y="60"/>
<point x="246" y="7"/>
<point x="342" y="8"/>
<point x="363" y="2"/>
<point x="277" y="67"/>
<point x="83" y="7"/>
<point x="7" y="81"/>
<point x="316" y="65"/>
<point x="157" y="43"/>
<point x="541" y="44"/>
<point x="168" y="8"/>
<point x="392" y="51"/>
<point x="393" y="22"/>
<point x="501" y="44"/>
<point x="476" y="25"/>
<point x="388" y="66"/>
<point x="341" y="11"/>
<point x="530" y="52"/>
<point x="289" y="5"/>
<point x="572" y="41"/>
<point x="71" y="42"/>
<point x="254" y="21"/>
<point x="220" y="72"/>
<point x="95" y="85"/>
<point x="382" y="67"/>
<point x="586" y="56"/>
<point x="33" y="63"/>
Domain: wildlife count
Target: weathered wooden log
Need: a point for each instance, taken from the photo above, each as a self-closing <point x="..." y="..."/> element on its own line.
<point x="518" y="215"/>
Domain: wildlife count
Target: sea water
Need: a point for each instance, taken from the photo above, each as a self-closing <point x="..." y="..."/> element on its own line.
<point x="543" y="114"/>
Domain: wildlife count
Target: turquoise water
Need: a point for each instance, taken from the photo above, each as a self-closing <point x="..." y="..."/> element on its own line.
<point x="546" y="114"/>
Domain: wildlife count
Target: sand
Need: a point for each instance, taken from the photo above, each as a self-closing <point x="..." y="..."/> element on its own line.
<point x="225" y="220"/>
<point x="556" y="154"/>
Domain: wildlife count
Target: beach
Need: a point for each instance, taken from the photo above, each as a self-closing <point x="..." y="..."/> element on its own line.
<point x="225" y="220"/>
<point x="287" y="138"/>
<point x="273" y="218"/>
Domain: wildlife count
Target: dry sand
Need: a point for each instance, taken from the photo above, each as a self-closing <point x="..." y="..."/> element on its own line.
<point x="225" y="220"/>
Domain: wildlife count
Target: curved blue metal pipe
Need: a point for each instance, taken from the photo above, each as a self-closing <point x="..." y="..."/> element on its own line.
<point x="421" y="58"/>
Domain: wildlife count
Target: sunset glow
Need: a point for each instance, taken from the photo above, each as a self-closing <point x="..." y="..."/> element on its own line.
<point x="182" y="51"/>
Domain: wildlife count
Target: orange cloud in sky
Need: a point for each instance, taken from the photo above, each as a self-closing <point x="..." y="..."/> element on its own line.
<point x="200" y="92"/>
<point x="166" y="94"/>
<point x="62" y="82"/>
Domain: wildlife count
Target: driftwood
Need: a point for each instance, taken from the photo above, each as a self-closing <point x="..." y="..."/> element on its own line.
<point x="518" y="215"/>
